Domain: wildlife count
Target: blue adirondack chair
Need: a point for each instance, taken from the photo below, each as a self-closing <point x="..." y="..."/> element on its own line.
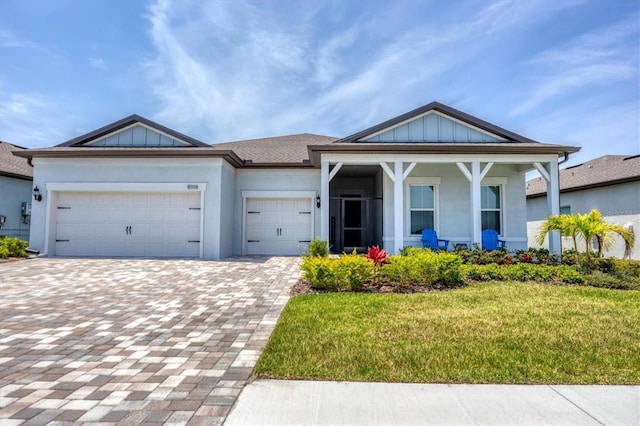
<point x="430" y="240"/>
<point x="490" y="240"/>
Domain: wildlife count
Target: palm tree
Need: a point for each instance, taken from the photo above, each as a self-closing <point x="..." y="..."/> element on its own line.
<point x="604" y="233"/>
<point x="568" y="226"/>
<point x="585" y="227"/>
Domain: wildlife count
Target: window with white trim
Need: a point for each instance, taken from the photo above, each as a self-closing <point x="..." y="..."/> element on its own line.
<point x="491" y="207"/>
<point x="421" y="202"/>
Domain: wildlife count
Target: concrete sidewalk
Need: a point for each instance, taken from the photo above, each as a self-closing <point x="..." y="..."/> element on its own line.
<point x="280" y="402"/>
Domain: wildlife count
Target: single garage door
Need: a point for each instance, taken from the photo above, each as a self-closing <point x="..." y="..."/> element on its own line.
<point x="278" y="226"/>
<point x="128" y="224"/>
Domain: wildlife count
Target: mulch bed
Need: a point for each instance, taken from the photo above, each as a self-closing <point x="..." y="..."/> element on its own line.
<point x="12" y="259"/>
<point x="303" y="287"/>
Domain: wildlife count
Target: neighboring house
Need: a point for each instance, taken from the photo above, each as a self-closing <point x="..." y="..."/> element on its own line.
<point x="610" y="184"/>
<point x="15" y="192"/>
<point x="136" y="188"/>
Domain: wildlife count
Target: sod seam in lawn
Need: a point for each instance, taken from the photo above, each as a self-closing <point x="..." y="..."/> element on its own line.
<point x="485" y="333"/>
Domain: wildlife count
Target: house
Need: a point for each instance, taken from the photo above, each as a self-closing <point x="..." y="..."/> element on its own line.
<point x="136" y="188"/>
<point x="15" y="192"/>
<point x="610" y="184"/>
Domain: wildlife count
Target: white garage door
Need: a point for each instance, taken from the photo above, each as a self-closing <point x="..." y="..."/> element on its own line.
<point x="278" y="226"/>
<point x="128" y="224"/>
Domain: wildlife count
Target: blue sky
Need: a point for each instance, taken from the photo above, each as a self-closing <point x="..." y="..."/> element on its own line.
<point x="565" y="72"/>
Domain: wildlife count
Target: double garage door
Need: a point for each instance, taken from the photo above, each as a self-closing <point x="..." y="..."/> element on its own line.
<point x="276" y="226"/>
<point x="128" y="224"/>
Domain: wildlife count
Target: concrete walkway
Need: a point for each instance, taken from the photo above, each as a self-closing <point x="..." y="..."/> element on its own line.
<point x="278" y="402"/>
<point x="134" y="341"/>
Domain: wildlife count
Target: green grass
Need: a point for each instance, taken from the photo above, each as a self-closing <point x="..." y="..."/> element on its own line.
<point x="486" y="333"/>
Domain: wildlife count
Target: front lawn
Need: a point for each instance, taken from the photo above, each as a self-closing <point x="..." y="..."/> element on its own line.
<point x="507" y="332"/>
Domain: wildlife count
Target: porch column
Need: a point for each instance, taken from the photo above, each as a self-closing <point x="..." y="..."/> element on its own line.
<point x="398" y="207"/>
<point x="476" y="200"/>
<point x="324" y="200"/>
<point x="553" y="204"/>
<point x="550" y="173"/>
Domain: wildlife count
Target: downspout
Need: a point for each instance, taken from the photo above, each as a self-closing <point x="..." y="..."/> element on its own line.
<point x="565" y="159"/>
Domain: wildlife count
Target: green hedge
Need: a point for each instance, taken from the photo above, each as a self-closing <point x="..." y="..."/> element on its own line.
<point x="347" y="273"/>
<point x="424" y="268"/>
<point x="12" y="247"/>
<point x="523" y="272"/>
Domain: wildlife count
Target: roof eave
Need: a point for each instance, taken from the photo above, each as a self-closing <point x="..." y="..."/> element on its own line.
<point x="589" y="186"/>
<point x="16" y="175"/>
<point x="230" y="156"/>
<point x="436" y="148"/>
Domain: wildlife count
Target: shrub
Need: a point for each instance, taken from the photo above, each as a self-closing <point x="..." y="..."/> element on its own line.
<point x="318" y="248"/>
<point x="478" y="256"/>
<point x="525" y="257"/>
<point x="12" y="247"/>
<point x="318" y="271"/>
<point x="348" y="272"/>
<point x="487" y="272"/>
<point x="523" y="272"/>
<point x="602" y="280"/>
<point x="423" y="267"/>
<point x="351" y="271"/>
<point x="569" y="274"/>
<point x="627" y="267"/>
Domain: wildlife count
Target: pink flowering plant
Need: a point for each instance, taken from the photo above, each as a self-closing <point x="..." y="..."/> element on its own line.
<point x="378" y="256"/>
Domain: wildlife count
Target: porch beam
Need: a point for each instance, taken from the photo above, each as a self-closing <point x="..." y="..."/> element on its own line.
<point x="324" y="201"/>
<point x="388" y="171"/>
<point x="540" y="168"/>
<point x="398" y="204"/>
<point x="464" y="171"/>
<point x="335" y="171"/>
<point x="476" y="202"/>
<point x="409" y="170"/>
<point x="486" y="169"/>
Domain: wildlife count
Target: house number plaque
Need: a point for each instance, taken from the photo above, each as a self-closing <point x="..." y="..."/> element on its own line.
<point x="192" y="186"/>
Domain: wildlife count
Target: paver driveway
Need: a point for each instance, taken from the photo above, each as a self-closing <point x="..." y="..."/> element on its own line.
<point x="133" y="341"/>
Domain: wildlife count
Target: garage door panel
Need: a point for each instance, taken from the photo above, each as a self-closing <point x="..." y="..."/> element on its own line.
<point x="128" y="224"/>
<point x="277" y="226"/>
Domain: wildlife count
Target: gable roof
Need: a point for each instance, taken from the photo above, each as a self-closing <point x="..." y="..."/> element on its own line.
<point x="13" y="166"/>
<point x="444" y="109"/>
<point x="280" y="150"/>
<point x="601" y="171"/>
<point x="82" y="140"/>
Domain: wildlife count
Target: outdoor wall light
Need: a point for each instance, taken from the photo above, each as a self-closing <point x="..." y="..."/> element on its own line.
<point x="36" y="194"/>
<point x="318" y="200"/>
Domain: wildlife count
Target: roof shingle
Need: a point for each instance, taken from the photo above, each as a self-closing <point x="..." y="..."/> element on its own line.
<point x="288" y="149"/>
<point x="600" y="171"/>
<point x="13" y="166"/>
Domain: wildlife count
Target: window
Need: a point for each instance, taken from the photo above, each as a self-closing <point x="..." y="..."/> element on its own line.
<point x="565" y="209"/>
<point x="422" y="207"/>
<point x="491" y="207"/>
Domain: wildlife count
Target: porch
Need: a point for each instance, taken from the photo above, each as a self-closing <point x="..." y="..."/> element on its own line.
<point x="387" y="199"/>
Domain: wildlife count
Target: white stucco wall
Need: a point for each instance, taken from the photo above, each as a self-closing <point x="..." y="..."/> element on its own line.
<point x="619" y="204"/>
<point x="131" y="170"/>
<point x="454" y="205"/>
<point x="272" y="180"/>
<point x="13" y="192"/>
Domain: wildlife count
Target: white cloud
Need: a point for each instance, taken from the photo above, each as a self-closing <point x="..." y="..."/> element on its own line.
<point x="30" y="120"/>
<point x="597" y="59"/>
<point x="98" y="62"/>
<point x="232" y="70"/>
